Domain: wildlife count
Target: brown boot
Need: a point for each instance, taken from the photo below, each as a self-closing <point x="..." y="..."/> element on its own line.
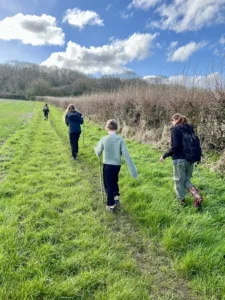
<point x="198" y="199"/>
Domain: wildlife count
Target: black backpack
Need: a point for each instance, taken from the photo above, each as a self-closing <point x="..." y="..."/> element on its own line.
<point x="191" y="146"/>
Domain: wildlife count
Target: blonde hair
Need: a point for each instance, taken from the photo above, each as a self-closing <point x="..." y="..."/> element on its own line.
<point x="111" y="125"/>
<point x="71" y="107"/>
<point x="181" y="119"/>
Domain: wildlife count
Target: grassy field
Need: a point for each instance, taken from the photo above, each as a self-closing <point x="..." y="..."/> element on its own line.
<point x="13" y="115"/>
<point x="58" y="242"/>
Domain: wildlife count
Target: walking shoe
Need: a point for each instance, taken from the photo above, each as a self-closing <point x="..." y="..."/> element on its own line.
<point x="198" y="199"/>
<point x="117" y="202"/>
<point x="197" y="204"/>
<point x="110" y="208"/>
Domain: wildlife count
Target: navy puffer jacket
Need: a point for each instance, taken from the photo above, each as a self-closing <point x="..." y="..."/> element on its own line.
<point x="73" y="120"/>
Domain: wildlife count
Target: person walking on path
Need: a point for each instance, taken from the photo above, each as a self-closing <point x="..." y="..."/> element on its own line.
<point x="46" y="111"/>
<point x="114" y="147"/>
<point x="73" y="120"/>
<point x="183" y="167"/>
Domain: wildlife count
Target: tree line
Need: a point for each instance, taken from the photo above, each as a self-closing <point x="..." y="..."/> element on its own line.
<point x="24" y="80"/>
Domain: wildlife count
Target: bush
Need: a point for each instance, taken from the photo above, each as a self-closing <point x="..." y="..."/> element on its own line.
<point x="144" y="112"/>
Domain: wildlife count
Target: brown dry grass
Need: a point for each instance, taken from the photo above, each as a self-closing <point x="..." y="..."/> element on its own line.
<point x="144" y="113"/>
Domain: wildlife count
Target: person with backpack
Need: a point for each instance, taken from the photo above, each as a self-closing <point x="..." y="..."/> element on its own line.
<point x="114" y="147"/>
<point x="46" y="111"/>
<point x="185" y="151"/>
<point x="73" y="120"/>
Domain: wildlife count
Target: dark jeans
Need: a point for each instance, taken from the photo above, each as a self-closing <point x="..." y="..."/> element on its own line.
<point x="74" y="137"/>
<point x="45" y="116"/>
<point x="111" y="177"/>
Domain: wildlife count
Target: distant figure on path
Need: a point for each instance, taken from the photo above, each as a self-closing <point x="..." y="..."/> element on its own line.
<point x="46" y="111"/>
<point x="73" y="120"/>
<point x="113" y="146"/>
<point x="185" y="151"/>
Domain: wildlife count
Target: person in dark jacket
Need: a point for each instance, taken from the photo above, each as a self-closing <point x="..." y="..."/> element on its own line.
<point x="46" y="111"/>
<point x="73" y="120"/>
<point x="182" y="168"/>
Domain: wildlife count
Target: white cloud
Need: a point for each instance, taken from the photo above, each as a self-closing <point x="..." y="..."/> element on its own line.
<point x="182" y="15"/>
<point x="216" y="52"/>
<point x="108" y="7"/>
<point x="184" y="52"/>
<point x="80" y="18"/>
<point x="154" y="79"/>
<point x="31" y="29"/>
<point x="143" y="4"/>
<point x="208" y="81"/>
<point x="108" y="59"/>
<point x="126" y="16"/>
<point x="173" y="45"/>
<point x="222" y="40"/>
<point x="148" y="23"/>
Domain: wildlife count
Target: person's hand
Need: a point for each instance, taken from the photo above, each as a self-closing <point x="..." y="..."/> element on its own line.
<point x="161" y="159"/>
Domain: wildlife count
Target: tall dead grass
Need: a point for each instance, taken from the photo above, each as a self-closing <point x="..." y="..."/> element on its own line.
<point x="144" y="113"/>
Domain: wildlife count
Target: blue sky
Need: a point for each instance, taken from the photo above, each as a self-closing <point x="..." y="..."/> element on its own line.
<point x="147" y="37"/>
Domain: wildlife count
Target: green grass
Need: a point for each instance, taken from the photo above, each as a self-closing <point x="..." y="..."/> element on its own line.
<point x="57" y="241"/>
<point x="195" y="240"/>
<point x="13" y="115"/>
<point x="52" y="244"/>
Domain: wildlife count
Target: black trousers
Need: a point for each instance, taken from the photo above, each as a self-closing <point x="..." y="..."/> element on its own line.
<point x="110" y="178"/>
<point x="74" y="137"/>
<point x="46" y="116"/>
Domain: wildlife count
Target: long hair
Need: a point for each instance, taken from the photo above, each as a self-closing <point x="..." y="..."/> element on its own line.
<point x="70" y="108"/>
<point x="181" y="119"/>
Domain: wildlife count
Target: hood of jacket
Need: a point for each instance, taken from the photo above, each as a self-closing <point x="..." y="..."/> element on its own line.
<point x="185" y="128"/>
<point x="74" y="115"/>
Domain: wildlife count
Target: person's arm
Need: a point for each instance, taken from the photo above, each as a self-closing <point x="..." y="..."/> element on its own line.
<point x="129" y="162"/>
<point x="99" y="148"/>
<point x="176" y="142"/>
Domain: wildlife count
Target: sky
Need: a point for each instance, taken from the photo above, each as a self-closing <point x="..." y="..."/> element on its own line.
<point x="106" y="37"/>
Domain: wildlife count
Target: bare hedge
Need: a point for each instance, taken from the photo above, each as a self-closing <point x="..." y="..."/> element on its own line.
<point x="144" y="113"/>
